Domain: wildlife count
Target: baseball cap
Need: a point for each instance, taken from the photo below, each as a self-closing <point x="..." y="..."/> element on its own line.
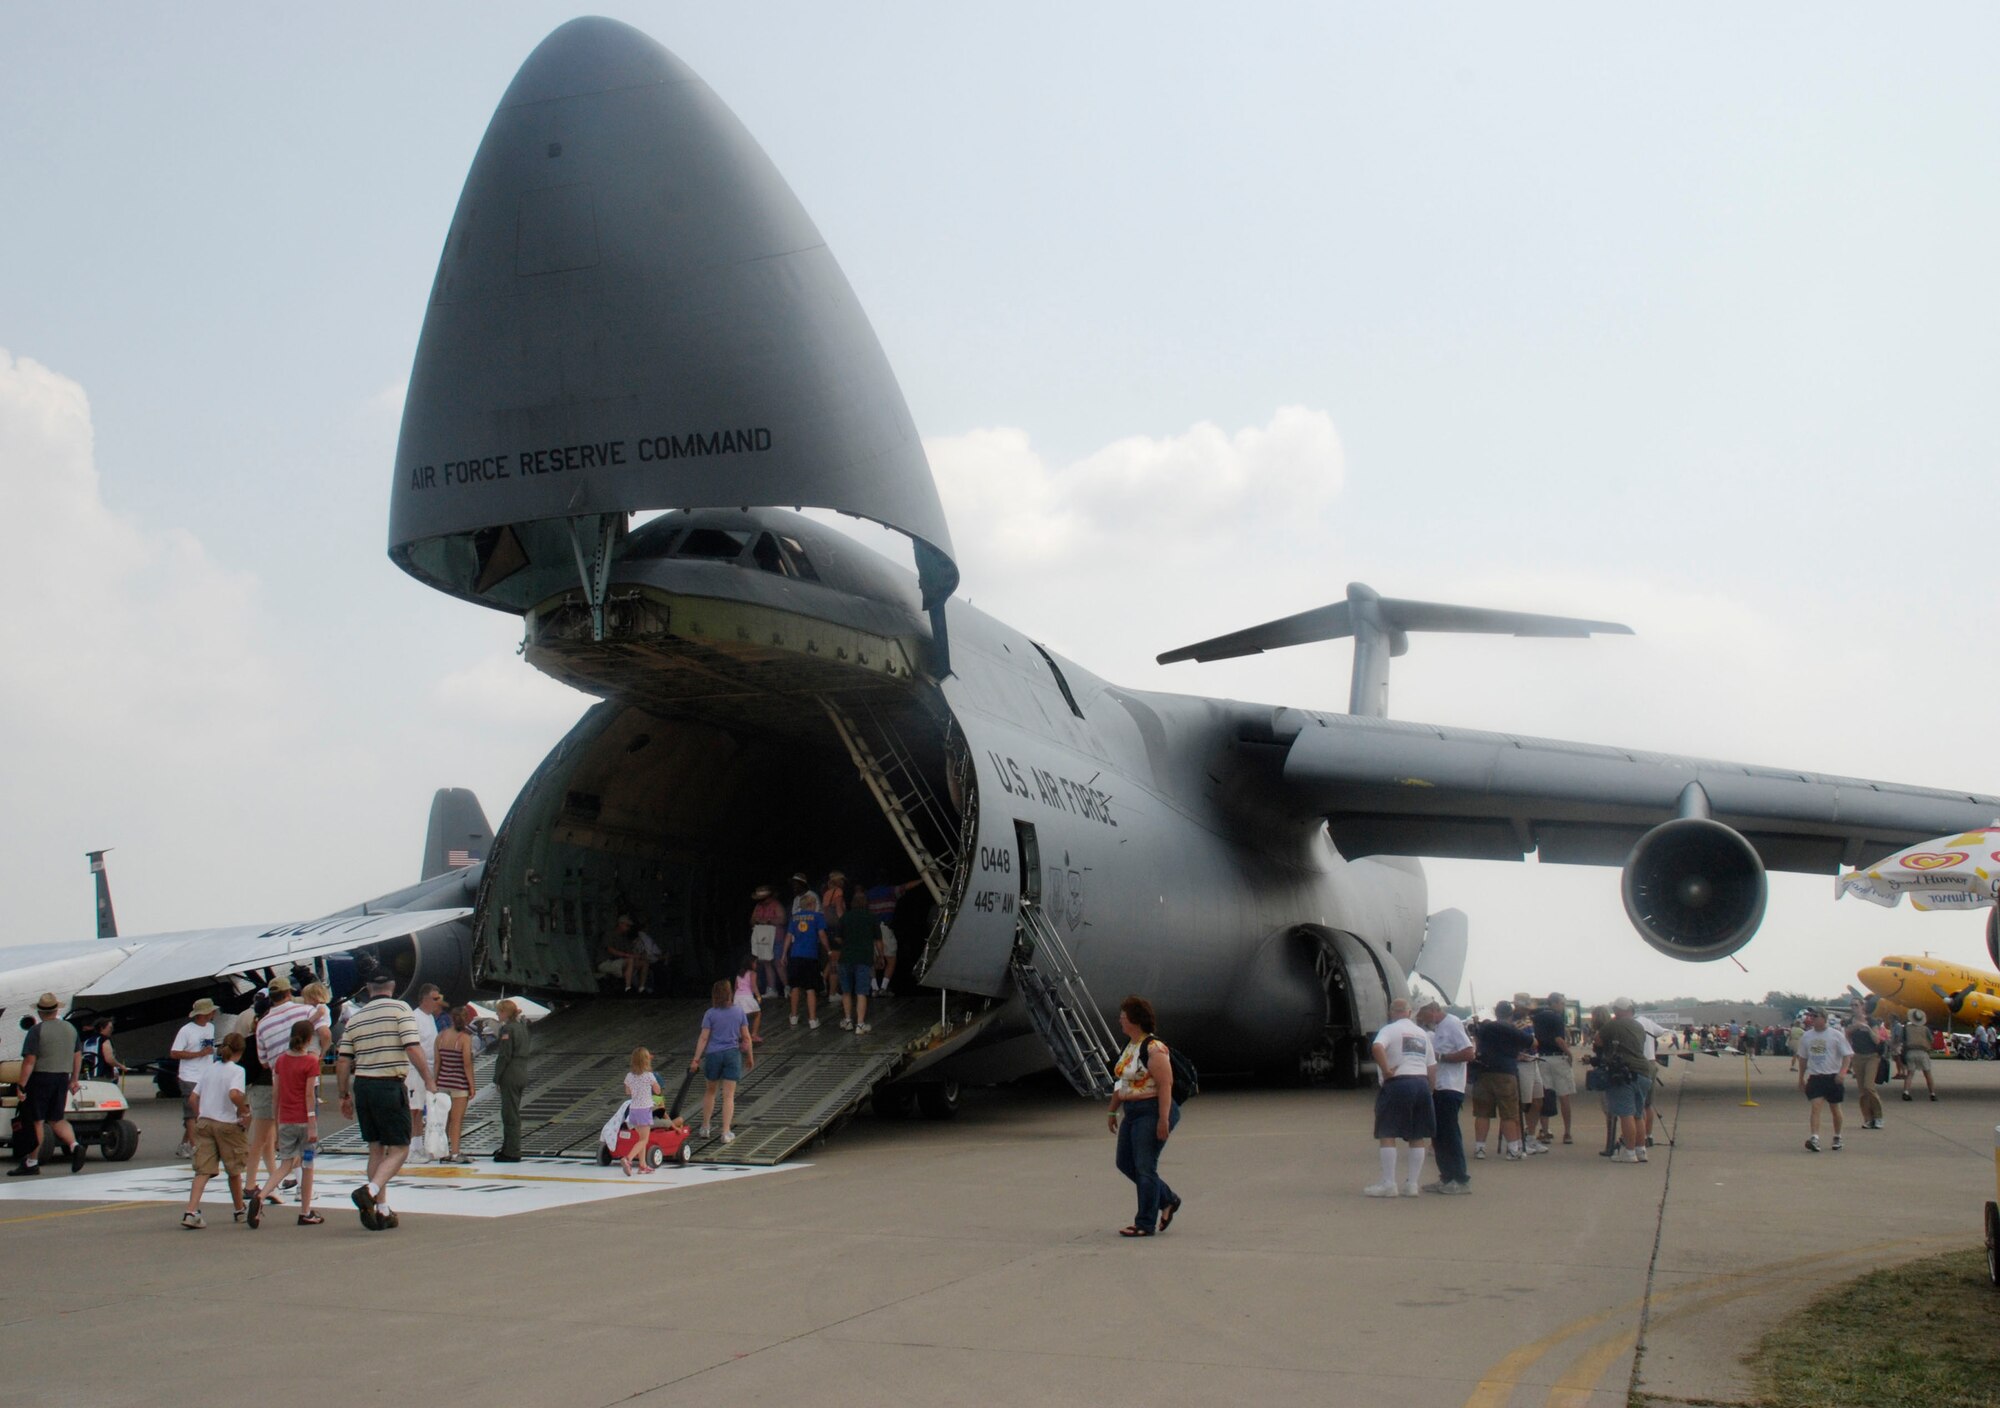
<point x="1418" y="1004"/>
<point x="1624" y="1004"/>
<point x="280" y="985"/>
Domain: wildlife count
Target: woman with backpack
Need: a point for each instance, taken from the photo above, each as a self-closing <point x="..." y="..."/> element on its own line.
<point x="1144" y="1112"/>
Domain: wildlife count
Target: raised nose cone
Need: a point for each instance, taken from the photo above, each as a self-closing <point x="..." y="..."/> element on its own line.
<point x="633" y="311"/>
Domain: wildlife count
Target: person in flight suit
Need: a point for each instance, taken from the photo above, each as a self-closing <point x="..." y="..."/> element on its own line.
<point x="510" y="1077"/>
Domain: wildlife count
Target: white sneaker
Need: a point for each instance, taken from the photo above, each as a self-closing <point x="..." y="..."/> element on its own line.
<point x="1380" y="1190"/>
<point x="728" y="1136"/>
<point x="862" y="1028"/>
<point x="1836" y="1143"/>
<point x="1643" y="1159"/>
<point x="795" y="1020"/>
<point x="847" y="1024"/>
<point x="1533" y="1146"/>
<point x="706" y="1131"/>
<point x="814" y="1024"/>
<point x="1411" y="1190"/>
<point x="1516" y="1155"/>
<point x="1479" y="1152"/>
<point x="1625" y="1156"/>
<point x="1812" y="1143"/>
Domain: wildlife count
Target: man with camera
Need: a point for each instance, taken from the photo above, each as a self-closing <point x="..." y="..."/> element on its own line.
<point x="1629" y="1074"/>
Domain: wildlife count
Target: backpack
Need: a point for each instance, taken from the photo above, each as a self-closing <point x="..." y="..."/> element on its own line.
<point x="1187" y="1080"/>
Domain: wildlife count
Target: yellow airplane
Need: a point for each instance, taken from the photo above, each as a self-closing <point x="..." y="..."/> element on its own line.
<point x="1950" y="994"/>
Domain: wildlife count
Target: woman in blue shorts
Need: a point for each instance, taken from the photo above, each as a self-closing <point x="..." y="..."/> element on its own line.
<point x="722" y="1054"/>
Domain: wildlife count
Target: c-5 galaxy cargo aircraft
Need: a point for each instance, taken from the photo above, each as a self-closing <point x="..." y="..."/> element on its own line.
<point x="632" y="313"/>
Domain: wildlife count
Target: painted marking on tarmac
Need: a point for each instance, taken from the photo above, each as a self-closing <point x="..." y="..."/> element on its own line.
<point x="74" y="1212"/>
<point x="1496" y="1387"/>
<point x="531" y="1186"/>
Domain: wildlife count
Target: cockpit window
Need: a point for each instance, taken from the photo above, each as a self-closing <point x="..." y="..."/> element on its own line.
<point x="782" y="556"/>
<point x="655" y="545"/>
<point x="717" y="544"/>
<point x="801" y="564"/>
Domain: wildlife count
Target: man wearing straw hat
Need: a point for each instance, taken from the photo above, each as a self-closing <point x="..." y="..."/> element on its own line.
<point x="51" y="1064"/>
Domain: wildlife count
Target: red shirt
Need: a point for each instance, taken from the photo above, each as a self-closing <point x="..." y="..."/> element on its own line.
<point x="295" y="1077"/>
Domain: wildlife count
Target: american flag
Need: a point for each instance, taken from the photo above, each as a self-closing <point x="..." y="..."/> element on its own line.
<point x="459" y="859"/>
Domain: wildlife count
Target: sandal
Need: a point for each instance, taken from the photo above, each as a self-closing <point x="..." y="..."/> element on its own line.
<point x="310" y="1219"/>
<point x="1135" y="1231"/>
<point x="1167" y="1214"/>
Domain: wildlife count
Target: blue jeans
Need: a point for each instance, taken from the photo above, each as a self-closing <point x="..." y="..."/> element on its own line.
<point x="1139" y="1148"/>
<point x="1448" y="1143"/>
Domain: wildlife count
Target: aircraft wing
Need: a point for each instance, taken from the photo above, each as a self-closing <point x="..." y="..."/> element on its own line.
<point x="1390" y="787"/>
<point x="201" y="955"/>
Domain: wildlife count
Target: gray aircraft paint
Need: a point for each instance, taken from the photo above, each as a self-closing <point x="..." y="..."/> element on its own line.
<point x="625" y="264"/>
<point x="632" y="311"/>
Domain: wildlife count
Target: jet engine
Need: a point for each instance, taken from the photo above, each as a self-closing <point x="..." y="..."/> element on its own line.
<point x="1694" y="889"/>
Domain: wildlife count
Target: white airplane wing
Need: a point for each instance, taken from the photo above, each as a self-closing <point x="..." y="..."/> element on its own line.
<point x="199" y="955"/>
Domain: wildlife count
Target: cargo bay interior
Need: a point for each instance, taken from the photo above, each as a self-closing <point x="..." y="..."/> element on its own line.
<point x="739" y="742"/>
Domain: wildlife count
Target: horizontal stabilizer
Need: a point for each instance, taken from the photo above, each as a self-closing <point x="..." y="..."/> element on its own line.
<point x="1337" y="622"/>
<point x="1380" y="626"/>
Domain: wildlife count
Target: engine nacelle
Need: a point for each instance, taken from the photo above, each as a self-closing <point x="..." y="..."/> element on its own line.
<point x="1694" y="889"/>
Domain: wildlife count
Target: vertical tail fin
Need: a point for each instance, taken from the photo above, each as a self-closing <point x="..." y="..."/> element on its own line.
<point x="459" y="833"/>
<point x="107" y="922"/>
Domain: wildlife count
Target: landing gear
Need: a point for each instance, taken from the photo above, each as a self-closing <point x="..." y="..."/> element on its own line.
<point x="1335" y="1061"/>
<point x="892" y="1102"/>
<point x="938" y="1100"/>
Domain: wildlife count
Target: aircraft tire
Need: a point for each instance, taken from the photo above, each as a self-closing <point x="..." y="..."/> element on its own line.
<point x="891" y="1102"/>
<point x="1993" y="1243"/>
<point x="938" y="1100"/>
<point x="1347" y="1068"/>
<point x="119" y="1142"/>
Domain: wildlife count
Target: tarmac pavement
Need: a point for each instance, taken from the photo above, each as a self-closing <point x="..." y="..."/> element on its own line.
<point x="975" y="1261"/>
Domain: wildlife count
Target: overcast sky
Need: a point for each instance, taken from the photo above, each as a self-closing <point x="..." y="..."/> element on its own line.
<point x="1687" y="320"/>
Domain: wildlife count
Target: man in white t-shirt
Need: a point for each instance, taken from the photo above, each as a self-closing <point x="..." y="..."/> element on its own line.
<point x="1407" y="1060"/>
<point x="1454" y="1050"/>
<point x="194" y="1048"/>
<point x="1824" y="1058"/>
<point x="429" y="1003"/>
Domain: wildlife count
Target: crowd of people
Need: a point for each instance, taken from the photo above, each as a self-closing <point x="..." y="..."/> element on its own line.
<point x="1519" y="1070"/>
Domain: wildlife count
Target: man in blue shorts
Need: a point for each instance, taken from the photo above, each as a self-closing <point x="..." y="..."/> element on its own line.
<point x="1408" y="1062"/>
<point x="1630" y="1073"/>
<point x="859" y="934"/>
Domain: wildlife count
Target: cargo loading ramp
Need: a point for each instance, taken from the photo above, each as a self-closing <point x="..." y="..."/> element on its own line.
<point x="804" y="1080"/>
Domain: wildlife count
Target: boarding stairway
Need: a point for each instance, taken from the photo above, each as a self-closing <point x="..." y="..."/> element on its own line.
<point x="804" y="1083"/>
<point x="1059" y="1005"/>
<point x="921" y="822"/>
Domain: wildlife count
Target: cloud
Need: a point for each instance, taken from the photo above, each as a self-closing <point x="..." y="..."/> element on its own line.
<point x="499" y="689"/>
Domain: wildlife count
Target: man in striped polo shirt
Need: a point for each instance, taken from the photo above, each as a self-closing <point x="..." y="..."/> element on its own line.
<point x="377" y="1050"/>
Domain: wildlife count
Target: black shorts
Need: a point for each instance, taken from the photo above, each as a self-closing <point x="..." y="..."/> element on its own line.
<point x="1403" y="1109"/>
<point x="46" y="1097"/>
<point x="1827" y="1088"/>
<point x="382" y="1110"/>
<point x="802" y="972"/>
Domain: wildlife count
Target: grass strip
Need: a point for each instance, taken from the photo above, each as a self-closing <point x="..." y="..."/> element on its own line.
<point x="1925" y="1334"/>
